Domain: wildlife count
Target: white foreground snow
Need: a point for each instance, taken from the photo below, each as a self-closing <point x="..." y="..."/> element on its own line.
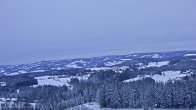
<point x="96" y="106"/>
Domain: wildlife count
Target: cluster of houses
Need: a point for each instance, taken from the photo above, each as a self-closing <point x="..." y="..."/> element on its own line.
<point x="7" y="103"/>
<point x="14" y="103"/>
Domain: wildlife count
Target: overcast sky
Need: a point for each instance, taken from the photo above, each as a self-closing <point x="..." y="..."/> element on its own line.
<point x="33" y="30"/>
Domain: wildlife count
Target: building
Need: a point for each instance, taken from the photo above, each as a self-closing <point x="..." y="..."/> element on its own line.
<point x="2" y="84"/>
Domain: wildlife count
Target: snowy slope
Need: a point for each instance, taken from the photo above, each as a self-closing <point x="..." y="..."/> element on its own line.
<point x="188" y="55"/>
<point x="153" y="64"/>
<point x="104" y="61"/>
<point x="151" y="56"/>
<point x="166" y="76"/>
<point x="57" y="80"/>
<point x="113" y="63"/>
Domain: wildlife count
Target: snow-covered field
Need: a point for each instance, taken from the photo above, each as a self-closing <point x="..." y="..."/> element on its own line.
<point x="98" y="68"/>
<point x="58" y="80"/>
<point x="2" y="70"/>
<point x="151" y="56"/>
<point x="107" y="68"/>
<point x="153" y="64"/>
<point x="74" y="64"/>
<point x="167" y="75"/>
<point x="38" y="71"/>
<point x="16" y="73"/>
<point x="93" y="106"/>
<point x="126" y="59"/>
<point x="188" y="55"/>
<point x="96" y="106"/>
<point x="113" y="63"/>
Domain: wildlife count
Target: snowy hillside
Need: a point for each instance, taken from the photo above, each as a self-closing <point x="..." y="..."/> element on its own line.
<point x="153" y="64"/>
<point x="157" y="59"/>
<point x="58" y="80"/>
<point x="166" y="76"/>
<point x="122" y="82"/>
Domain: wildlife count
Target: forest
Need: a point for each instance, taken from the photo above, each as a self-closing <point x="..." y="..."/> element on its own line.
<point x="106" y="87"/>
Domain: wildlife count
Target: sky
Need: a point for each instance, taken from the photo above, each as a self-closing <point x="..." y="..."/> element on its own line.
<point x="34" y="30"/>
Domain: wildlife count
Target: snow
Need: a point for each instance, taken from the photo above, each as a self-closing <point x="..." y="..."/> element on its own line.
<point x="71" y="65"/>
<point x="124" y="67"/>
<point x="58" y="80"/>
<point x="158" y="64"/>
<point x="93" y="105"/>
<point x="33" y="105"/>
<point x="3" y="99"/>
<point x="143" y="109"/>
<point x="188" y="55"/>
<point x="126" y="59"/>
<point x="59" y="68"/>
<point x="38" y="71"/>
<point x="2" y="71"/>
<point x="48" y="80"/>
<point x="106" y="59"/>
<point x="16" y="73"/>
<point x="131" y="55"/>
<point x="152" y="56"/>
<point x="96" y="106"/>
<point x="107" y="68"/>
<point x="8" y="99"/>
<point x="137" y="78"/>
<point x="113" y="63"/>
<point x="153" y="64"/>
<point x="10" y="102"/>
<point x="156" y="56"/>
<point x="90" y="106"/>
<point x="12" y="74"/>
<point x="74" y="65"/>
<point x="166" y="76"/>
<point x="98" y="68"/>
<point x="145" y="56"/>
<point x="22" y="71"/>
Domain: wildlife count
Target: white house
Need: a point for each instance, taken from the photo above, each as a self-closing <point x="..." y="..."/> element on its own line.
<point x="2" y="84"/>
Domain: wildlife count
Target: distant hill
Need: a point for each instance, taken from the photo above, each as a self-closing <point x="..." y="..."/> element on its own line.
<point x="96" y="62"/>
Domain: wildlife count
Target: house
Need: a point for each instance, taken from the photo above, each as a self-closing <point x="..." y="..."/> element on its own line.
<point x="2" y="84"/>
